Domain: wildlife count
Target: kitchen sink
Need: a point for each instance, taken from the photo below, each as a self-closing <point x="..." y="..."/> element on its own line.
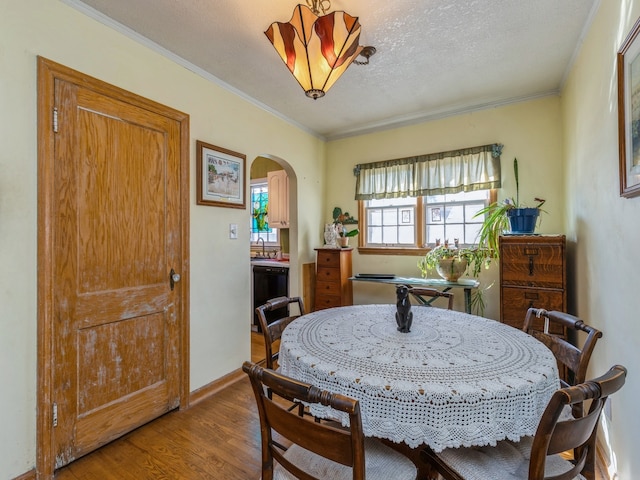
<point x="269" y="259"/>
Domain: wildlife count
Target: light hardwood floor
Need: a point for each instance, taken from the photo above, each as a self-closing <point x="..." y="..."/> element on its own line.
<point x="218" y="438"/>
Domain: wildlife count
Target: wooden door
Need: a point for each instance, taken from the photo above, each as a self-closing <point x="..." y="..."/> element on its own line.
<point x="115" y="229"/>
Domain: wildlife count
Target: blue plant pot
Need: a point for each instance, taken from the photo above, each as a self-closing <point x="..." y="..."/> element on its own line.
<point x="523" y="220"/>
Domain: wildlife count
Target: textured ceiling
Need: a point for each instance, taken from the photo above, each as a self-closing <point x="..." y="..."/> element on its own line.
<point x="434" y="57"/>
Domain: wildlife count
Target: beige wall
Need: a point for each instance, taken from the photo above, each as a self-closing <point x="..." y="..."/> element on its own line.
<point x="220" y="281"/>
<point x="530" y="131"/>
<point x="604" y="226"/>
<point x="261" y="166"/>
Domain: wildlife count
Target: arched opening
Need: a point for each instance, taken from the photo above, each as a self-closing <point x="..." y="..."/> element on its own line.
<point x="273" y="245"/>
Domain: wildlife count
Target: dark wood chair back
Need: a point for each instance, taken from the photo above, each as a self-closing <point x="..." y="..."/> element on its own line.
<point x="572" y="361"/>
<point x="553" y="436"/>
<point x="344" y="446"/>
<point x="273" y="331"/>
<point x="575" y="359"/>
<point x="425" y="296"/>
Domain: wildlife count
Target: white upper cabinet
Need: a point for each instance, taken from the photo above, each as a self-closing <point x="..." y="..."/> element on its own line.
<point x="278" y="184"/>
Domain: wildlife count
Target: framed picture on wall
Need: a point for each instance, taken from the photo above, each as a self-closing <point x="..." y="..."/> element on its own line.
<point x="220" y="176"/>
<point x="629" y="113"/>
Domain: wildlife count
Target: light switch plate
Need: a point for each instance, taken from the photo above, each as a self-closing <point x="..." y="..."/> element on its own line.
<point x="233" y="231"/>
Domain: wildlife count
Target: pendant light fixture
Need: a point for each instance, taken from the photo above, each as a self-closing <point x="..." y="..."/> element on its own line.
<point x="317" y="47"/>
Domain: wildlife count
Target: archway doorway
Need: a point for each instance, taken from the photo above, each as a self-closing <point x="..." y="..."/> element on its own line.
<point x="274" y="236"/>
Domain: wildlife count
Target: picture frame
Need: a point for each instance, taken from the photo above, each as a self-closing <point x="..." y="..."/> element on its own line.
<point x="220" y="176"/>
<point x="628" y="66"/>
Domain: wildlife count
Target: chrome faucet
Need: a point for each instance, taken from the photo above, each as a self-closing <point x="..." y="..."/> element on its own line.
<point x="258" y="241"/>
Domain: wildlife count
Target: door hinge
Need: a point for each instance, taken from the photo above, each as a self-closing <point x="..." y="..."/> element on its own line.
<point x="55" y="120"/>
<point x="55" y="414"/>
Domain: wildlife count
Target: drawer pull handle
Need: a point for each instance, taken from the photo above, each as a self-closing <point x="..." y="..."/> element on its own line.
<point x="531" y="296"/>
<point x="531" y="251"/>
<point x="531" y="266"/>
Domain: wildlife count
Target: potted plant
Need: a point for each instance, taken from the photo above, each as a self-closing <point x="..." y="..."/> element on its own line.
<point x="452" y="263"/>
<point x="510" y="216"/>
<point x="340" y="219"/>
<point x="345" y="234"/>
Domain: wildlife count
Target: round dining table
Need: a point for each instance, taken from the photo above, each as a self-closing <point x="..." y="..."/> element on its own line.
<point x="454" y="380"/>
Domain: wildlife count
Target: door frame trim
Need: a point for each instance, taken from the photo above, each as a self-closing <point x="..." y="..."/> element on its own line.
<point x="48" y="73"/>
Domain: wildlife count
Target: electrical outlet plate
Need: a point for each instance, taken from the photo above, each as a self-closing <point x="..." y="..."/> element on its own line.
<point x="233" y="231"/>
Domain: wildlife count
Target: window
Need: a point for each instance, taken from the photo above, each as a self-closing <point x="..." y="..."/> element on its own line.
<point x="450" y="218"/>
<point x="260" y="214"/>
<point x="415" y="203"/>
<point x="412" y="223"/>
<point x="391" y="222"/>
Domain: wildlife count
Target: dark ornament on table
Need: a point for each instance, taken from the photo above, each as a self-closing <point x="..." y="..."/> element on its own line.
<point x="404" y="316"/>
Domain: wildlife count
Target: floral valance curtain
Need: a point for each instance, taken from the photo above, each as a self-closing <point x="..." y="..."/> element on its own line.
<point x="476" y="168"/>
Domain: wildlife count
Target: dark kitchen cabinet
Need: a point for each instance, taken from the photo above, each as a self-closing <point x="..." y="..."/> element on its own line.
<point x="269" y="282"/>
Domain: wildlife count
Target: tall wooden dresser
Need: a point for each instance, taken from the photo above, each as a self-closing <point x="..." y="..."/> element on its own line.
<point x="333" y="269"/>
<point x="533" y="273"/>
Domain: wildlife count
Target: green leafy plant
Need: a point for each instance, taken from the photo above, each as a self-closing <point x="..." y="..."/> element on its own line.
<point x="476" y="259"/>
<point x="343" y="232"/>
<point x="432" y="258"/>
<point x="343" y="218"/>
<point x="496" y="220"/>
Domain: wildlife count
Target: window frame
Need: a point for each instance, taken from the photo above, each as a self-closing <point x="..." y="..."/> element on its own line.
<point x="421" y="247"/>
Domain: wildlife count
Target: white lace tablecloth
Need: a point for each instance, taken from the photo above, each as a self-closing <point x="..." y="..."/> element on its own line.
<point x="454" y="380"/>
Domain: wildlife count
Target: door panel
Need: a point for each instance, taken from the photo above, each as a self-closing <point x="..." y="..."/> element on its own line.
<point x="117" y="234"/>
<point x="135" y="342"/>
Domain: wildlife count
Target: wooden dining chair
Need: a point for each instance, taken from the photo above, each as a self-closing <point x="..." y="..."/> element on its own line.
<point x="572" y="361"/>
<point x="425" y="296"/>
<point x="272" y="330"/>
<point x="538" y="457"/>
<point x="317" y="451"/>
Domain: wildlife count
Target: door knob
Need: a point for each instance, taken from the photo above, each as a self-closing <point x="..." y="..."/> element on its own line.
<point x="173" y="278"/>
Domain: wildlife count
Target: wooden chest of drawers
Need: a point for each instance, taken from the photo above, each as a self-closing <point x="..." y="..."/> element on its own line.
<point x="333" y="269"/>
<point x="533" y="271"/>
